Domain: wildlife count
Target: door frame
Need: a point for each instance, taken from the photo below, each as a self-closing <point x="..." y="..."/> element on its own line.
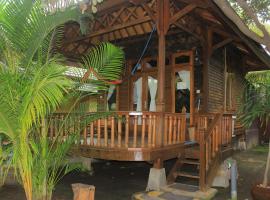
<point x="189" y="66"/>
<point x="143" y="73"/>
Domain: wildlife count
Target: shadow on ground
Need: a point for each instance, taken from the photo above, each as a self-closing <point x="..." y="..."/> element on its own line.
<point x="119" y="180"/>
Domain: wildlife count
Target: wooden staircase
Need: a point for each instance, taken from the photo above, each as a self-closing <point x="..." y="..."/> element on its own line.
<point x="200" y="161"/>
<point x="186" y="168"/>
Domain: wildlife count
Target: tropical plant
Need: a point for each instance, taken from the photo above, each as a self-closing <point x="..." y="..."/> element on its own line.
<point x="33" y="85"/>
<point x="256" y="105"/>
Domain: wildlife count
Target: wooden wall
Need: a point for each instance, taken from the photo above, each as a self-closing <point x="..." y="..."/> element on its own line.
<point x="237" y="73"/>
<point x="235" y="81"/>
<point x="123" y="97"/>
<point x="216" y="82"/>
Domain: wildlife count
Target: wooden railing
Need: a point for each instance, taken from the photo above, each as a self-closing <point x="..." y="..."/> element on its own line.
<point x="127" y="129"/>
<point x="216" y="133"/>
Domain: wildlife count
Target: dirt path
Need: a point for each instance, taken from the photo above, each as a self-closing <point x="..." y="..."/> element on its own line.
<point x="119" y="180"/>
<point x="251" y="166"/>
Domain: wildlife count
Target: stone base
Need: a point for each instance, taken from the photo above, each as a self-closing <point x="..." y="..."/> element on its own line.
<point x="176" y="191"/>
<point x="86" y="162"/>
<point x="222" y="178"/>
<point x="157" y="179"/>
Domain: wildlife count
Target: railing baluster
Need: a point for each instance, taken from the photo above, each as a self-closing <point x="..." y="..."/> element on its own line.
<point x="92" y="142"/>
<point x="183" y="129"/>
<point x="166" y="130"/>
<point x="178" y="129"/>
<point x="170" y="130"/>
<point x="119" y="131"/>
<point x="85" y="133"/>
<point x="99" y="132"/>
<point x="143" y="130"/>
<point x="154" y="129"/>
<point x="112" y="131"/>
<point x="135" y="131"/>
<point x="174" y="129"/>
<point x="106" y="132"/>
<point x="149" y="130"/>
<point x="127" y="131"/>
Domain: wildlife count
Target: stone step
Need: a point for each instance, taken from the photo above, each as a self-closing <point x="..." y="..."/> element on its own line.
<point x="187" y="174"/>
<point x="191" y="162"/>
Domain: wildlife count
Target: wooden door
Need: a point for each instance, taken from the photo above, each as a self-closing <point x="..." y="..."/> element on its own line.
<point x="183" y="65"/>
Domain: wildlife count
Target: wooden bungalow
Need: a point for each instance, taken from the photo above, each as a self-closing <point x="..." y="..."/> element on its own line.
<point x="179" y="99"/>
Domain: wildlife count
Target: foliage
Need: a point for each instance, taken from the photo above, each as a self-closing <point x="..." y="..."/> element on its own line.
<point x="251" y="17"/>
<point x="256" y="105"/>
<point x="256" y="97"/>
<point x="261" y="7"/>
<point x="33" y="86"/>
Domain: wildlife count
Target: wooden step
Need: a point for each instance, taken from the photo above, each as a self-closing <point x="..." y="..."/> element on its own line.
<point x="186" y="174"/>
<point x="192" y="153"/>
<point x="191" y="162"/>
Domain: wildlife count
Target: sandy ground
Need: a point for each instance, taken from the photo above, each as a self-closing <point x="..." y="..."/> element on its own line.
<point x="119" y="180"/>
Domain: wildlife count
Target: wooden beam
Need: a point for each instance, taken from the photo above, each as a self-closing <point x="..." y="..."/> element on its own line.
<point x="198" y="3"/>
<point x="221" y="44"/>
<point x="111" y="29"/>
<point x="209" y="36"/>
<point x="224" y="33"/>
<point x="149" y="11"/>
<point x="182" y="13"/>
<point x="189" y="31"/>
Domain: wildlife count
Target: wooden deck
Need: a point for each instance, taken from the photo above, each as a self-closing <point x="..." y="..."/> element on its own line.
<point x="134" y="136"/>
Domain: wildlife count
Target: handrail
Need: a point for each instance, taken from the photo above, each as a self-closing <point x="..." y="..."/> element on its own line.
<point x="131" y="113"/>
<point x="211" y="139"/>
<point x="213" y="124"/>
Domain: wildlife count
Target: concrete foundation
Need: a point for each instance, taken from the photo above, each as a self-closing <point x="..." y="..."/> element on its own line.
<point x="222" y="178"/>
<point x="157" y="179"/>
<point x="223" y="175"/>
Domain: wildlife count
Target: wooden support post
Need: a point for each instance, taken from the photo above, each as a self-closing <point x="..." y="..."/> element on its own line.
<point x="158" y="164"/>
<point x="192" y="90"/>
<point x="161" y="74"/>
<point x="225" y="80"/>
<point x="207" y="51"/>
<point x="202" y="183"/>
<point x="162" y="28"/>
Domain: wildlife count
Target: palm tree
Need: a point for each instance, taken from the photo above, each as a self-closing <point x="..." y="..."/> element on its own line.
<point x="256" y="105"/>
<point x="33" y="86"/>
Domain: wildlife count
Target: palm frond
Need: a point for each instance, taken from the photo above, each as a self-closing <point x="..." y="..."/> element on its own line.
<point x="43" y="93"/>
<point x="106" y="60"/>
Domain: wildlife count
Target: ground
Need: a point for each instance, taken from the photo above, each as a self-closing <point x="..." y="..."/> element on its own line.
<point x="119" y="180"/>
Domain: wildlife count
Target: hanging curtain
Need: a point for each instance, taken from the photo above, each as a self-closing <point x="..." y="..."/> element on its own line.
<point x="110" y="93"/>
<point x="152" y="84"/>
<point x="138" y="89"/>
<point x="185" y="77"/>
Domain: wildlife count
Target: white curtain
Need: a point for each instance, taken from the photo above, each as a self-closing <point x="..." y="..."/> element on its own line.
<point x="152" y="84"/>
<point x="138" y="94"/>
<point x="185" y="77"/>
<point x="110" y="92"/>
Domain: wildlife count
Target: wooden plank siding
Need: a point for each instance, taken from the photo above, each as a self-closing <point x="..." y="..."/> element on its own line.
<point x="124" y="96"/>
<point x="216" y="83"/>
